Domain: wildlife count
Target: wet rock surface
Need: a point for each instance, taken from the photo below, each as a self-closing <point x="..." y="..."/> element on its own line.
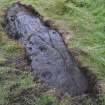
<point x="49" y="57"/>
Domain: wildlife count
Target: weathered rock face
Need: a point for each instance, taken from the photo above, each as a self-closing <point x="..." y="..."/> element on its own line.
<point x="50" y="59"/>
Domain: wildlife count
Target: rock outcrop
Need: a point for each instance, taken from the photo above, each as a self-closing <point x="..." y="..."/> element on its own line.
<point x="50" y="59"/>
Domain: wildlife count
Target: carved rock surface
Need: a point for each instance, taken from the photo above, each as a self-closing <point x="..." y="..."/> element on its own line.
<point x="50" y="59"/>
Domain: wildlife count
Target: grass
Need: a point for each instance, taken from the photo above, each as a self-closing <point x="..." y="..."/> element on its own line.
<point x="85" y="19"/>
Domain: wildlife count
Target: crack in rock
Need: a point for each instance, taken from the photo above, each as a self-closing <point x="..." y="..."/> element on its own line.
<point x="50" y="59"/>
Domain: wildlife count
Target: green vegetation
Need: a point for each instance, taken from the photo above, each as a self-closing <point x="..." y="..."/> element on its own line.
<point x="85" y="19"/>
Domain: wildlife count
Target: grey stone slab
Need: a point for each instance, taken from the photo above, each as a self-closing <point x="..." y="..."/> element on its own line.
<point x="50" y="59"/>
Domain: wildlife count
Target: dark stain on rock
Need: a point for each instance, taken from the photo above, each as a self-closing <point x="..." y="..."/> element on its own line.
<point x="50" y="59"/>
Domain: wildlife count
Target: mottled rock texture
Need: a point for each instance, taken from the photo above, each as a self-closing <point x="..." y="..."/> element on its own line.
<point x="50" y="59"/>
